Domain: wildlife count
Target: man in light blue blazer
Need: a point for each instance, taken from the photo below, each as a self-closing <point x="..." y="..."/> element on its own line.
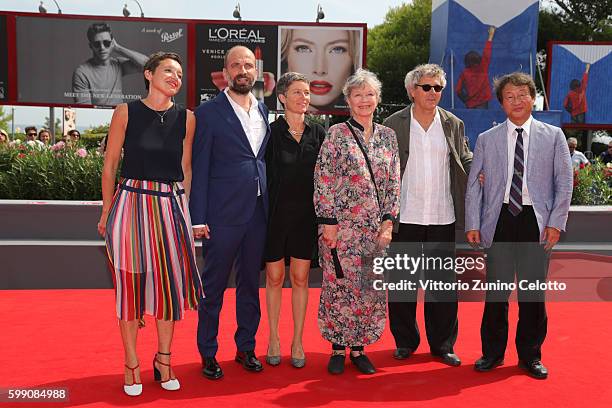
<point x="517" y="216"/>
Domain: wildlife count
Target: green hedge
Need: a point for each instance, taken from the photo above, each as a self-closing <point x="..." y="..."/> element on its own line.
<point x="593" y="185"/>
<point x="27" y="172"/>
<point x="91" y="141"/>
<point x="45" y="174"/>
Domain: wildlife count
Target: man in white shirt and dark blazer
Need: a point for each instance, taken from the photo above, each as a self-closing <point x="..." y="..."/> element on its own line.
<point x="228" y="206"/>
<point x="517" y="216"/>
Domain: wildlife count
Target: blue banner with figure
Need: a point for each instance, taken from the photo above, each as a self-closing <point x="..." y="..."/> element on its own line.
<point x="580" y="83"/>
<point x="477" y="41"/>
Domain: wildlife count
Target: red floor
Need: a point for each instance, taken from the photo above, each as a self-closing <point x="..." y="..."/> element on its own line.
<point x="70" y="338"/>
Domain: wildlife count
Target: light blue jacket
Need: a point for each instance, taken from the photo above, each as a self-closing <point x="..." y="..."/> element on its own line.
<point x="549" y="179"/>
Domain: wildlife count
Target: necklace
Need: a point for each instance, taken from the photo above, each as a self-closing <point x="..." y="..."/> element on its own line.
<point x="161" y="116"/>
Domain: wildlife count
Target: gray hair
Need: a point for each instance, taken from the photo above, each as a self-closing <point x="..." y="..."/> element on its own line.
<point x="360" y="78"/>
<point x="572" y="140"/>
<point x="288" y="78"/>
<point x="425" y="70"/>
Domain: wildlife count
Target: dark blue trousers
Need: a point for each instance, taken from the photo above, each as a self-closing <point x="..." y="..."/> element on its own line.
<point x="241" y="246"/>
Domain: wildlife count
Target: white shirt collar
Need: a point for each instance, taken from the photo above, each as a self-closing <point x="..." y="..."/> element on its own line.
<point x="525" y="126"/>
<point x="436" y="120"/>
<point x="235" y="105"/>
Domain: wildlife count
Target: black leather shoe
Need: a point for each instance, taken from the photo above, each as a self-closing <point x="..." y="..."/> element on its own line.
<point x="336" y="364"/>
<point x="402" y="353"/>
<point x="363" y="364"/>
<point x="534" y="369"/>
<point x="211" y="369"/>
<point x="249" y="361"/>
<point x="487" y="364"/>
<point x="450" y="359"/>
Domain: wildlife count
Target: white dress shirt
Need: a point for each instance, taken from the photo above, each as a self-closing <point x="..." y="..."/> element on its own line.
<point x="512" y="135"/>
<point x="252" y="122"/>
<point x="425" y="193"/>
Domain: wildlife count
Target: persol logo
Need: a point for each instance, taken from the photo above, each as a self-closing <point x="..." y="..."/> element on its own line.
<point x="241" y="34"/>
<point x="169" y="37"/>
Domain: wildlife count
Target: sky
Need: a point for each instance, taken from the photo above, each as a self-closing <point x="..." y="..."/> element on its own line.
<point x="349" y="11"/>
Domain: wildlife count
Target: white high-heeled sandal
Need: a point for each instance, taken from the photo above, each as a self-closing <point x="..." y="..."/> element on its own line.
<point x="134" y="389"/>
<point x="172" y="384"/>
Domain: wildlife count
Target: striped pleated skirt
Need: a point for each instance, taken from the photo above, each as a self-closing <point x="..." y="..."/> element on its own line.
<point x="151" y="252"/>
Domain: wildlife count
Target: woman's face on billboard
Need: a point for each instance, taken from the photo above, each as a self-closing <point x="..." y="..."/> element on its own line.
<point x="323" y="57"/>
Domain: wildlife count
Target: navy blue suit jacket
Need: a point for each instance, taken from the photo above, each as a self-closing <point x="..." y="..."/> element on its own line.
<point x="226" y="172"/>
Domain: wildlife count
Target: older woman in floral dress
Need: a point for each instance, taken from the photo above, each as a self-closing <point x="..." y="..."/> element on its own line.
<point x="357" y="186"/>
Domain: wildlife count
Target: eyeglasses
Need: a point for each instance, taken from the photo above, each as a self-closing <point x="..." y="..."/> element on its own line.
<point x="516" y="98"/>
<point x="99" y="44"/>
<point x="427" y="87"/>
<point x="31" y="134"/>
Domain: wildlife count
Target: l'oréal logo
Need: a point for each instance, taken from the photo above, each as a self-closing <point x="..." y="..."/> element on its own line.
<point x="240" y="34"/>
<point x="169" y="37"/>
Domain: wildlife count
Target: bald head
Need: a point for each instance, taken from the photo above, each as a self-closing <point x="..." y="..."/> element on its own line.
<point x="239" y="50"/>
<point x="239" y="69"/>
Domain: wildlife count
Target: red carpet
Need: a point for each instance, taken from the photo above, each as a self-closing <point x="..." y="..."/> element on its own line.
<point x="71" y="339"/>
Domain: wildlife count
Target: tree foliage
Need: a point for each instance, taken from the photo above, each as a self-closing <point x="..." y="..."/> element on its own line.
<point x="98" y="130"/>
<point x="398" y="45"/>
<point x="572" y="20"/>
<point x="5" y="119"/>
<point x="58" y="126"/>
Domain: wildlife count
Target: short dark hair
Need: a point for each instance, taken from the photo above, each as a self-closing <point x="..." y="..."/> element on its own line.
<point x="285" y="81"/>
<point x="574" y="84"/>
<point x="472" y="59"/>
<point x="155" y="59"/>
<point x="97" y="28"/>
<point x="27" y="129"/>
<point x="516" y="79"/>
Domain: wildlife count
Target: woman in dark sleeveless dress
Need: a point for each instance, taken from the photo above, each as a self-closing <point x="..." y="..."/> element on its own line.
<point x="146" y="221"/>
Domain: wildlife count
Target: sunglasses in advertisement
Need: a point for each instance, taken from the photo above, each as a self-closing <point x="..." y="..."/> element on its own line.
<point x="427" y="87"/>
<point x="99" y="44"/>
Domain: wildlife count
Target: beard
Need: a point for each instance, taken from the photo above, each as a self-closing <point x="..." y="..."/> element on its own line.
<point x="241" y="89"/>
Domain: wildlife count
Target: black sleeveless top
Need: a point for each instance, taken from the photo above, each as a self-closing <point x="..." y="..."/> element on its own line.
<point x="153" y="149"/>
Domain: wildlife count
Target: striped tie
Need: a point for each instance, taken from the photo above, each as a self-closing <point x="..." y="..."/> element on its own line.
<point x="515" y="204"/>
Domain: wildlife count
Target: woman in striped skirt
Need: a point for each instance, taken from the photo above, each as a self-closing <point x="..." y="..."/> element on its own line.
<point x="146" y="220"/>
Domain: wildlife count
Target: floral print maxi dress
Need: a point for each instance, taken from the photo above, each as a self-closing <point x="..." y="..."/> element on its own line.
<point x="351" y="312"/>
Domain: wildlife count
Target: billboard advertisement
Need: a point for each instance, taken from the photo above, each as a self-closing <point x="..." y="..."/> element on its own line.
<point x="214" y="39"/>
<point x="3" y="57"/>
<point x="90" y="62"/>
<point x="476" y="41"/>
<point x="325" y="54"/>
<point x="579" y="83"/>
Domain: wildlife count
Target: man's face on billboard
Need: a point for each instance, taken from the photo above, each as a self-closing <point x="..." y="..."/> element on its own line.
<point x="101" y="45"/>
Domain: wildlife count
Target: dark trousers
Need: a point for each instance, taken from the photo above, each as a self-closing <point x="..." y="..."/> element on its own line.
<point x="441" y="323"/>
<point x="515" y="251"/>
<point x="240" y="246"/>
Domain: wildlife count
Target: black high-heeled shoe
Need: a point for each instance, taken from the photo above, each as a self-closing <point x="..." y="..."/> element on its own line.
<point x="172" y="384"/>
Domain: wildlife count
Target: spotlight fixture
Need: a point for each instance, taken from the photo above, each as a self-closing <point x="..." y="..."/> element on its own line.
<point x="126" y="11"/>
<point x="236" y="13"/>
<point x="320" y="13"/>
